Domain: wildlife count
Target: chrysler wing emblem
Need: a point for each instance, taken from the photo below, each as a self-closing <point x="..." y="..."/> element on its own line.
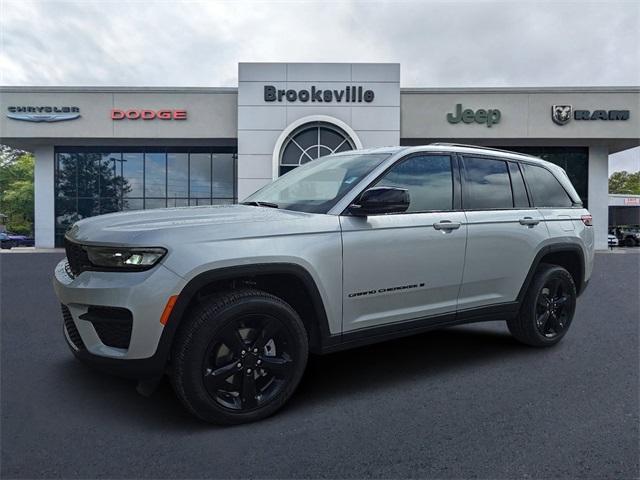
<point x="43" y="117"/>
<point x="561" y="114"/>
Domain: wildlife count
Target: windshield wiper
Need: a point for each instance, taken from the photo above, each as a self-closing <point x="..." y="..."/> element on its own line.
<point x="261" y="204"/>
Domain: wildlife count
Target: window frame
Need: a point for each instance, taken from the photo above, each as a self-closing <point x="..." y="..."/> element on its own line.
<point x="516" y="165"/>
<point x="455" y="180"/>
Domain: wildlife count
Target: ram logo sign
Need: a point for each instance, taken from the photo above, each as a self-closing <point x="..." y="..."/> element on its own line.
<point x="561" y="114"/>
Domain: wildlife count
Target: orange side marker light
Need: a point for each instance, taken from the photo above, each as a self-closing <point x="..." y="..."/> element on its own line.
<point x="167" y="310"/>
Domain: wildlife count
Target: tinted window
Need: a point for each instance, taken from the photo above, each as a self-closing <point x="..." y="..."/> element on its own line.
<point x="178" y="177"/>
<point x="487" y="184"/>
<point x="132" y="171"/>
<point x="155" y="175"/>
<point x="517" y="185"/>
<point x="545" y="188"/>
<point x="200" y="175"/>
<point x="427" y="178"/>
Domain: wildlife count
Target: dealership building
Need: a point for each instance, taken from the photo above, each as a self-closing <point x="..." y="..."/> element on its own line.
<point x="104" y="149"/>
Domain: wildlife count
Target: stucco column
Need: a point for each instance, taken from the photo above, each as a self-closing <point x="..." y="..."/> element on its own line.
<point x="599" y="193"/>
<point x="44" y="212"/>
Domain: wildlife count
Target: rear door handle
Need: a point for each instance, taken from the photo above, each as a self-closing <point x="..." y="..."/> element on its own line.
<point x="446" y="225"/>
<point x="529" y="221"/>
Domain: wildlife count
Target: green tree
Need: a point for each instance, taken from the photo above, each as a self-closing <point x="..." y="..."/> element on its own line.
<point x="625" y="183"/>
<point x="16" y="190"/>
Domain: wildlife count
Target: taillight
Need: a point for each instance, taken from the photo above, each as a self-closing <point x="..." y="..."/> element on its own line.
<point x="587" y="220"/>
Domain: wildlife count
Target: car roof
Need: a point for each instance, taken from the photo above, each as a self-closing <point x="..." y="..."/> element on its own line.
<point x="453" y="147"/>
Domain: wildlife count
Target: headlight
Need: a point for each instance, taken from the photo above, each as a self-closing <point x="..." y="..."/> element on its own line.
<point x="137" y="258"/>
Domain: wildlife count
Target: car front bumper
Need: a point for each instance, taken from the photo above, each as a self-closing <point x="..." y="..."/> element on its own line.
<point x="143" y="294"/>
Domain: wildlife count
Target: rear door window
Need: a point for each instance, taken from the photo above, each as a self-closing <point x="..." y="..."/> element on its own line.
<point x="545" y="188"/>
<point x="487" y="184"/>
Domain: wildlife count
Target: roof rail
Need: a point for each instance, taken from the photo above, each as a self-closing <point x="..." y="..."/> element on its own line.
<point x="445" y="144"/>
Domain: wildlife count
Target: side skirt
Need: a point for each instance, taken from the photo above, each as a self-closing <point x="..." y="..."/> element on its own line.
<point x="370" y="335"/>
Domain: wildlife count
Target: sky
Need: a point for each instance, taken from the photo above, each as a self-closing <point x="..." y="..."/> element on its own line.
<point x="438" y="43"/>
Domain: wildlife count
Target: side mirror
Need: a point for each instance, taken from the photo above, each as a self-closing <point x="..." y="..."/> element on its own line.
<point x="381" y="200"/>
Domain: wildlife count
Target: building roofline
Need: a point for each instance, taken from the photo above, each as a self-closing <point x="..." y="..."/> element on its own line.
<point x="100" y="89"/>
<point x="232" y="90"/>
<point x="599" y="89"/>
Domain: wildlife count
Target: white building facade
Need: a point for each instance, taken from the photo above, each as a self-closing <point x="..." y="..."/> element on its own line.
<point x="100" y="149"/>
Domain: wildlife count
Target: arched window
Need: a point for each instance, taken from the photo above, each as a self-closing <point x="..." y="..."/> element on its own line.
<point x="311" y="141"/>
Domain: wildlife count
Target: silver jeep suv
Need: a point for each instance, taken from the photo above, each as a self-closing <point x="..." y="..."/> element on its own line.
<point x="347" y="250"/>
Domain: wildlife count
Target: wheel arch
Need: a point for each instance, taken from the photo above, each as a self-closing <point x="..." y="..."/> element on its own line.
<point x="567" y="255"/>
<point x="291" y="282"/>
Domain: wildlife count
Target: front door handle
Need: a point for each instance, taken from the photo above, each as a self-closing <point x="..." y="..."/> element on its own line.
<point x="529" y="221"/>
<point x="446" y="225"/>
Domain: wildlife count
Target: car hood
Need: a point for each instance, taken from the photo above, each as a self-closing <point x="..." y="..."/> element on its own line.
<point x="192" y="224"/>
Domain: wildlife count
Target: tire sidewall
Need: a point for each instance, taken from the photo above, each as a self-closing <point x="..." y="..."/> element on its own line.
<point x="214" y="321"/>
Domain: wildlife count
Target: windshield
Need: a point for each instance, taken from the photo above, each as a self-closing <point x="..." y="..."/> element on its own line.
<point x="318" y="185"/>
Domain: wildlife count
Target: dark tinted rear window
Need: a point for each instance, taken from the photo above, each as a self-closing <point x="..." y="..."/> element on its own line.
<point x="487" y="184"/>
<point x="545" y="188"/>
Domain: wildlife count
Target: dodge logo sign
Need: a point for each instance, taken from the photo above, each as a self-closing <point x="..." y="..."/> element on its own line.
<point x="145" y="114"/>
<point x="561" y="114"/>
<point x="43" y="114"/>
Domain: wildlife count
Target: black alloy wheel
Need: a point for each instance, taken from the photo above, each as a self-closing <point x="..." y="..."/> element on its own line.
<point x="249" y="363"/>
<point x="238" y="356"/>
<point x="547" y="309"/>
<point x="553" y="307"/>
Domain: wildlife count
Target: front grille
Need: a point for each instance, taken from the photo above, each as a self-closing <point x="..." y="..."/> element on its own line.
<point x="112" y="324"/>
<point x="77" y="258"/>
<point x="71" y="329"/>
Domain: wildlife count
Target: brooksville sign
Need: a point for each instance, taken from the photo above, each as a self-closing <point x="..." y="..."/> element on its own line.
<point x="350" y="94"/>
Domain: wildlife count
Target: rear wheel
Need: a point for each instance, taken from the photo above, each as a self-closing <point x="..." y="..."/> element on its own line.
<point x="239" y="357"/>
<point x="629" y="242"/>
<point x="548" y="308"/>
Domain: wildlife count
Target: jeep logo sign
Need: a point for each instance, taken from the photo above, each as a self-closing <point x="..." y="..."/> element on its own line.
<point x="350" y="94"/>
<point x="488" y="117"/>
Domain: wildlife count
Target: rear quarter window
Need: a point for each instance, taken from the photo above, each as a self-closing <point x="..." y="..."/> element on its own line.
<point x="545" y="188"/>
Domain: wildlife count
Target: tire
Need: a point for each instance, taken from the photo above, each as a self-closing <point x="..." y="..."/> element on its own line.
<point x="548" y="308"/>
<point x="238" y="357"/>
<point x="629" y="242"/>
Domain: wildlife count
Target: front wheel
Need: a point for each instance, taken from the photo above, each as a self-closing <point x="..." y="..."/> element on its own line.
<point x="548" y="308"/>
<point x="239" y="357"/>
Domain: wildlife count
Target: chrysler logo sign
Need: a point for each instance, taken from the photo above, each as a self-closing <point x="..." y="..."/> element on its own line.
<point x="350" y="94"/>
<point x="43" y="113"/>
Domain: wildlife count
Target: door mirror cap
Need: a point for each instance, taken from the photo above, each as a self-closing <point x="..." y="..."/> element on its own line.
<point x="380" y="201"/>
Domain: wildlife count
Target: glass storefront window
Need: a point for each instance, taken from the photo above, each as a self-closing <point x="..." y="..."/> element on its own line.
<point x="155" y="174"/>
<point x="200" y="175"/>
<point x="92" y="180"/>
<point x="133" y="174"/>
<point x="178" y="177"/>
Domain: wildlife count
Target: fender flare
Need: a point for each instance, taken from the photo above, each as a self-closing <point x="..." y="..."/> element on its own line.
<point x="553" y="248"/>
<point x="193" y="286"/>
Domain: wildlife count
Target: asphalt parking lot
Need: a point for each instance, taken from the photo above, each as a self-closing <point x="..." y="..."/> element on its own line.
<point x="468" y="402"/>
